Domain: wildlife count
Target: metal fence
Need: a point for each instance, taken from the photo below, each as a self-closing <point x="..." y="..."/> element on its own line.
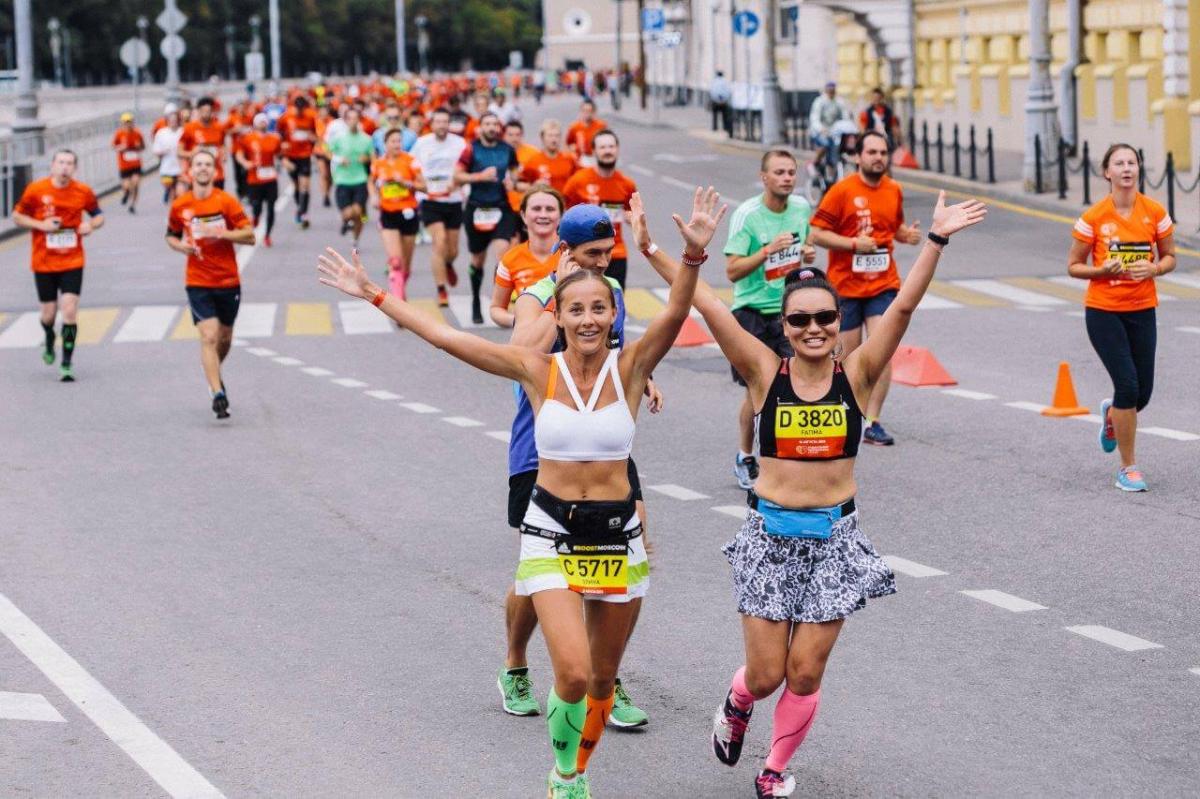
<point x="934" y="151"/>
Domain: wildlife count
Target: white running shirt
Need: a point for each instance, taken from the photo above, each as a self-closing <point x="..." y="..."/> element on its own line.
<point x="437" y="160"/>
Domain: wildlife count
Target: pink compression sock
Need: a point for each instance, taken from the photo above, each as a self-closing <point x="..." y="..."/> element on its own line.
<point x="794" y="716"/>
<point x="741" y="695"/>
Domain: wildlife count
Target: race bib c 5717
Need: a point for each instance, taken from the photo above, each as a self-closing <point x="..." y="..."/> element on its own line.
<point x="783" y="261"/>
<point x="595" y="568"/>
<point x="870" y="262"/>
<point x="810" y="431"/>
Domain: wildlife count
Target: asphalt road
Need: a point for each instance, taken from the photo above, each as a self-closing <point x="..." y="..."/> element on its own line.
<point x="305" y="600"/>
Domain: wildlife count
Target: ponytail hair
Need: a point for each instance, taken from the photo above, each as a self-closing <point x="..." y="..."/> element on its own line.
<point x="808" y="277"/>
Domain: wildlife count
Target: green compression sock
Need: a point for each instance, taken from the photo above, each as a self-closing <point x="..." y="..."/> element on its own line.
<point x="565" y="720"/>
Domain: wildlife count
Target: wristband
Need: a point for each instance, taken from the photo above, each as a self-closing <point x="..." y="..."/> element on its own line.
<point x="378" y="299"/>
<point x="683" y="258"/>
<point x="936" y="239"/>
<point x="653" y="248"/>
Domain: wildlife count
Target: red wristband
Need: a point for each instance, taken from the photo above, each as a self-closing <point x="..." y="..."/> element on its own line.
<point x="378" y="299"/>
<point x="683" y="258"/>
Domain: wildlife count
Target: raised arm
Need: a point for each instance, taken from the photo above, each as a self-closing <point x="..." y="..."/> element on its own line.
<point x="697" y="232"/>
<point x="747" y="354"/>
<point x="504" y="360"/>
<point x="867" y="362"/>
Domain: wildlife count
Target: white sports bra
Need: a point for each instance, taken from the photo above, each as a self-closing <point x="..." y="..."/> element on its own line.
<point x="583" y="433"/>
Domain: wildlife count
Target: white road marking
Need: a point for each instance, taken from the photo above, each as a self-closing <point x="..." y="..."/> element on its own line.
<point x="641" y="170"/>
<point x="25" y="331"/>
<point x="911" y="568"/>
<point x="420" y="407"/>
<point x="1026" y="406"/>
<point x="460" y="306"/>
<point x="257" y="319"/>
<point x="27" y="707"/>
<point x="1015" y="295"/>
<point x="736" y="511"/>
<point x="380" y="394"/>
<point x="1166" y="432"/>
<point x="150" y="752"/>
<point x="1037" y="308"/>
<point x="686" y="159"/>
<point x="931" y="302"/>
<point x="462" y="421"/>
<point x="348" y="382"/>
<point x="500" y="435"/>
<point x="1003" y="600"/>
<point x="359" y="317"/>
<point x="1087" y="417"/>
<point x="681" y="184"/>
<point x="1195" y="670"/>
<point x="1188" y="329"/>
<point x="1076" y="314"/>
<point x="678" y="492"/>
<point x="968" y="394"/>
<point x="147" y="323"/>
<point x="664" y="294"/>
<point x="635" y="328"/>
<point x="1107" y="635"/>
<point x="284" y="360"/>
<point x="244" y="254"/>
<point x="262" y="352"/>
<point x="1183" y="279"/>
<point x="316" y="371"/>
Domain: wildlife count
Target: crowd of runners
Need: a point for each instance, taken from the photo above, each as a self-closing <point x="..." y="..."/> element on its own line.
<point x="549" y="227"/>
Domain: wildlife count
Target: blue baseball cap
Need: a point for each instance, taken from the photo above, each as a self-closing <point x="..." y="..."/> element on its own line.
<point x="583" y="223"/>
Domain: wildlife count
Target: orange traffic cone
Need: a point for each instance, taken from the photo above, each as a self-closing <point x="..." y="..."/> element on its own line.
<point x="692" y="334"/>
<point x="1065" y="403"/>
<point x="904" y="158"/>
<point x="916" y="366"/>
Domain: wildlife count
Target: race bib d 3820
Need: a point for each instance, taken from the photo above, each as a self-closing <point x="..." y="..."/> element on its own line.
<point x="810" y="431"/>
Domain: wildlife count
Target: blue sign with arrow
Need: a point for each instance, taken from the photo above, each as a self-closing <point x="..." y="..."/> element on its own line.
<point x="745" y="23"/>
<point x="653" y="20"/>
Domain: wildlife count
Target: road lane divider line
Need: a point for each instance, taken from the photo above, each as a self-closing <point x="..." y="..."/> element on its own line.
<point x="641" y="170"/>
<point x="262" y="352"/>
<point x="736" y="511"/>
<point x="500" y="435"/>
<point x="154" y="755"/>
<point x="284" y="360"/>
<point x="1036" y="407"/>
<point x="1002" y="600"/>
<point x="462" y="421"/>
<point x="420" y="407"/>
<point x="28" y="707"/>
<point x="968" y="394"/>
<point x="315" y="371"/>
<point x="1166" y="432"/>
<point x="1188" y="329"/>
<point x="380" y="394"/>
<point x="678" y="492"/>
<point x="911" y="567"/>
<point x="1195" y="670"/>
<point x="1115" y="638"/>
<point x="348" y="382"/>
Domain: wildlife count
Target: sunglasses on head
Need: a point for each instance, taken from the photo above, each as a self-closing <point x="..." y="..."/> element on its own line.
<point x="824" y="318"/>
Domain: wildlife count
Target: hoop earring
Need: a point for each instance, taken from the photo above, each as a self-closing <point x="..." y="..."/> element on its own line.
<point x="838" y="349"/>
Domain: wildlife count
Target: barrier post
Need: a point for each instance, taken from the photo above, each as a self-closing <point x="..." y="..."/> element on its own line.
<point x="971" y="136"/>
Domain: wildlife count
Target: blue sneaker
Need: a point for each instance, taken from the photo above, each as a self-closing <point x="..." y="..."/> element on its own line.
<point x="1130" y="479"/>
<point x="875" y="434"/>
<point x="1108" y="438"/>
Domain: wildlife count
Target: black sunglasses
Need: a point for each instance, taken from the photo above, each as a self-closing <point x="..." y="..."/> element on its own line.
<point x="802" y="320"/>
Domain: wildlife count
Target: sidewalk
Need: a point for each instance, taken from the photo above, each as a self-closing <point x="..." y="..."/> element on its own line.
<point x="696" y="123"/>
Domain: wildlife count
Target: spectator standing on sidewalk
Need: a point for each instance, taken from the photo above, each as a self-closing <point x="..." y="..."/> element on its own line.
<point x="879" y="117"/>
<point x="719" y="95"/>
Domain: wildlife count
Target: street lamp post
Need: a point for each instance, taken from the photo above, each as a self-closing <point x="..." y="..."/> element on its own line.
<point x="142" y="25"/>
<point x="27" y="104"/>
<point x="55" y="28"/>
<point x="772" y="119"/>
<point x="276" y="63"/>
<point x="422" y="23"/>
<point x="616" y="96"/>
<point x="230" y="55"/>
<point x="401" y="60"/>
<point x="1041" y="114"/>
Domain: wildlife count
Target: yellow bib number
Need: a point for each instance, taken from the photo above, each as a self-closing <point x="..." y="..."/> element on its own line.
<point x="394" y="191"/>
<point x="596" y="568"/>
<point x="1129" y="253"/>
<point x="810" y="431"/>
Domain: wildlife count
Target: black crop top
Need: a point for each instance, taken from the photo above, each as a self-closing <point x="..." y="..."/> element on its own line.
<point x="794" y="429"/>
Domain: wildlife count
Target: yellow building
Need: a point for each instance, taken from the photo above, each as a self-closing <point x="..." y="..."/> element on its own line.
<point x="1138" y="80"/>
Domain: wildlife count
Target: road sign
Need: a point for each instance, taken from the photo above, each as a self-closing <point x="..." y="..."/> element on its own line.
<point x="793" y="12"/>
<point x="653" y="20"/>
<point x="745" y="23"/>
<point x="670" y="39"/>
<point x="172" y="47"/>
<point x="256" y="67"/>
<point x="171" y="20"/>
<point x="135" y="53"/>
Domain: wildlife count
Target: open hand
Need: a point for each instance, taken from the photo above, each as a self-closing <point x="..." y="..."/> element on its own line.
<point x="336" y="271"/>
<point x="566" y="264"/>
<point x="699" y="230"/>
<point x="949" y="219"/>
<point x="1141" y="270"/>
<point x="637" y="221"/>
<point x="654" y="397"/>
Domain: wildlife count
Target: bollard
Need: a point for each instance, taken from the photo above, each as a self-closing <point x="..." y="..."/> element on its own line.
<point x="941" y="160"/>
<point x="1141" y="171"/>
<point x="957" y="168"/>
<point x="1062" y="169"/>
<point x="1170" y="179"/>
<point x="1037" y="163"/>
<point x="1087" y="176"/>
<point x="991" y="159"/>
<point x="925" y="143"/>
<point x="971" y="135"/>
<point x="912" y="134"/>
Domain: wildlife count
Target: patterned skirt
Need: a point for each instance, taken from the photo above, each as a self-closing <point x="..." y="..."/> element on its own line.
<point x="805" y="579"/>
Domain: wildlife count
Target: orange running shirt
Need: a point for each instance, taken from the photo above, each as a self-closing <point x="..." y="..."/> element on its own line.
<point x="1131" y="238"/>
<point x="211" y="137"/>
<point x="524" y="153"/>
<point x="261" y="150"/>
<point x="519" y="268"/>
<point x="611" y="193"/>
<point x="299" y="132"/>
<point x="387" y="174"/>
<point x="63" y="250"/>
<point x="851" y="208"/>
<point x="579" y="135"/>
<point x="129" y="144"/>
<point x="216" y="267"/>
<point x="541" y="168"/>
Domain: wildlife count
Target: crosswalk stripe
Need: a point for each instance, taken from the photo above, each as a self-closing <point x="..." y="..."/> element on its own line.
<point x="256" y="319"/>
<point x="1036" y="284"/>
<point x="664" y="294"/>
<point x="429" y="308"/>
<point x="1174" y="289"/>
<point x="460" y="306"/>
<point x="1184" y="279"/>
<point x="308" y="319"/>
<point x="147" y="323"/>
<point x="641" y="304"/>
<point x="3" y="316"/>
<point x="725" y="294"/>
<point x="950" y="291"/>
<point x="185" y="328"/>
<point x="94" y="324"/>
<point x="1012" y="294"/>
<point x="1081" y="285"/>
<point x="25" y="331"/>
<point x="932" y="302"/>
<point x="358" y="318"/>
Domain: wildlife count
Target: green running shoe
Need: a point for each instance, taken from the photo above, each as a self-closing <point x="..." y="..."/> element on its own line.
<point x="66" y="374"/>
<point x="516" y="689"/>
<point x="48" y="356"/>
<point x="625" y="715"/>
<point x="558" y="787"/>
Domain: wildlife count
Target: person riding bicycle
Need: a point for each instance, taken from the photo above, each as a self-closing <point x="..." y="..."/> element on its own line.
<point x="826" y="111"/>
